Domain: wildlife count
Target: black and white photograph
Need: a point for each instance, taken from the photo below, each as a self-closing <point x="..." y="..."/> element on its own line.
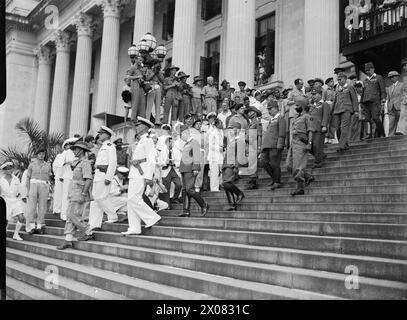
<point x="203" y="151"/>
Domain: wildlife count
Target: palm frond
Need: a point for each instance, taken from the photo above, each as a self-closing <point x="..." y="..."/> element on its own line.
<point x="20" y="159"/>
<point x="30" y="129"/>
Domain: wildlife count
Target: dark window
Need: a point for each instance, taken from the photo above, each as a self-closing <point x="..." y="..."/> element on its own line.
<point x="211" y="62"/>
<point x="210" y="9"/>
<point x="265" y="49"/>
<point x="168" y="21"/>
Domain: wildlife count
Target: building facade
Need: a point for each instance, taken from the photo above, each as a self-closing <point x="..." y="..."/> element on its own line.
<point x="66" y="60"/>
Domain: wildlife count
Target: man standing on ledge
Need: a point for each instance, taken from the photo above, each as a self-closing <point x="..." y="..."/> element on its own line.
<point x="106" y="164"/>
<point x="141" y="174"/>
<point x="373" y="96"/>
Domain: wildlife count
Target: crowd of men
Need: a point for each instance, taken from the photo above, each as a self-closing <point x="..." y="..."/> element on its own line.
<point x="173" y="163"/>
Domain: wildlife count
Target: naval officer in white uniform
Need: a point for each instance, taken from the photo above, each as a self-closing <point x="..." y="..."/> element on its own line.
<point x="141" y="174"/>
<point x="106" y="165"/>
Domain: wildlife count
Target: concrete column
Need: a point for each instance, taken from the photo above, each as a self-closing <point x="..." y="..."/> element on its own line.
<point x="240" y="42"/>
<point x="61" y="83"/>
<point x="143" y="19"/>
<point x="109" y="63"/>
<point x="81" y="84"/>
<point x="42" y="95"/>
<point x="321" y="38"/>
<point x="184" y="43"/>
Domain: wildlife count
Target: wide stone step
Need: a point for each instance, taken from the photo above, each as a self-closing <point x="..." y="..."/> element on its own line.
<point x="208" y="285"/>
<point x="112" y="279"/>
<point x="394" y="249"/>
<point x="19" y="290"/>
<point x="298" y="206"/>
<point x="63" y="287"/>
<point x="363" y="230"/>
<point x="394" y="218"/>
<point x="327" y="198"/>
<point x="337" y="190"/>
<point x="297" y="278"/>
<point x="390" y="269"/>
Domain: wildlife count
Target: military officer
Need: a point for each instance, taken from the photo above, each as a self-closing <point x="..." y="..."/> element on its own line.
<point x="67" y="158"/>
<point x="38" y="180"/>
<point x="189" y="167"/>
<point x="319" y="115"/>
<point x="78" y="196"/>
<point x="106" y="165"/>
<point x="374" y="94"/>
<point x="143" y="164"/>
<point x="186" y="92"/>
<point x="210" y="95"/>
<point x="239" y="124"/>
<point x="241" y="94"/>
<point x="344" y="107"/>
<point x="118" y="193"/>
<point x="171" y="95"/>
<point x="273" y="144"/>
<point x="300" y="147"/>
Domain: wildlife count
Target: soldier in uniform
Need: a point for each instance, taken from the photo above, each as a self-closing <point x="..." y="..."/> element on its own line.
<point x="189" y="168"/>
<point x="38" y="180"/>
<point x="78" y="196"/>
<point x="344" y="107"/>
<point x="319" y="115"/>
<point x="254" y="137"/>
<point x="121" y="154"/>
<point x="273" y="144"/>
<point x="241" y="94"/>
<point x="118" y="193"/>
<point x="186" y="92"/>
<point x="210" y="95"/>
<point x="171" y="95"/>
<point x="10" y="190"/>
<point x="196" y="102"/>
<point x="143" y="164"/>
<point x="301" y="145"/>
<point x="106" y="165"/>
<point x="374" y="94"/>
<point x="135" y="74"/>
<point x="155" y="76"/>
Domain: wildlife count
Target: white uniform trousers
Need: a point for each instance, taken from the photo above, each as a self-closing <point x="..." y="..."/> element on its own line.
<point x="100" y="205"/>
<point x="214" y="175"/>
<point x="65" y="201"/>
<point x="57" y="196"/>
<point x="137" y="209"/>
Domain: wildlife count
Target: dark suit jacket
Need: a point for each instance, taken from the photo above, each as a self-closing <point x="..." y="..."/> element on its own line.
<point x="346" y="100"/>
<point x="394" y="95"/>
<point x="374" y="89"/>
<point x="275" y="135"/>
<point x="319" y="116"/>
<point x="191" y="157"/>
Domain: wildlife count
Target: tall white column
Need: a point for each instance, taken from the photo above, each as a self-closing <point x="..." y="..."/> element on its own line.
<point x="321" y="38"/>
<point x="61" y="81"/>
<point x="240" y="41"/>
<point x="109" y="61"/>
<point x="81" y="83"/>
<point x="42" y="95"/>
<point x="143" y="19"/>
<point x="184" y="43"/>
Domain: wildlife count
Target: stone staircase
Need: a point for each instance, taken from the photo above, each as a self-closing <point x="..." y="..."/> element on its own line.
<point x="275" y="247"/>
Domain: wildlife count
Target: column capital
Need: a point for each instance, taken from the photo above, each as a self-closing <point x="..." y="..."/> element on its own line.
<point x="44" y="54"/>
<point x="62" y="41"/>
<point x="112" y="8"/>
<point x="85" y="24"/>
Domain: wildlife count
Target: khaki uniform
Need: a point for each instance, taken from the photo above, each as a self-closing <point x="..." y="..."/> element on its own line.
<point x="171" y="99"/>
<point x="185" y="103"/>
<point x="297" y="158"/>
<point x="138" y="101"/>
<point x="319" y="115"/>
<point x="82" y="170"/>
<point x="210" y="98"/>
<point x="196" y="100"/>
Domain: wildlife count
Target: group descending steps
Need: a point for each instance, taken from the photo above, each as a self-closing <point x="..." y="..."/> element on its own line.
<point x="345" y="239"/>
